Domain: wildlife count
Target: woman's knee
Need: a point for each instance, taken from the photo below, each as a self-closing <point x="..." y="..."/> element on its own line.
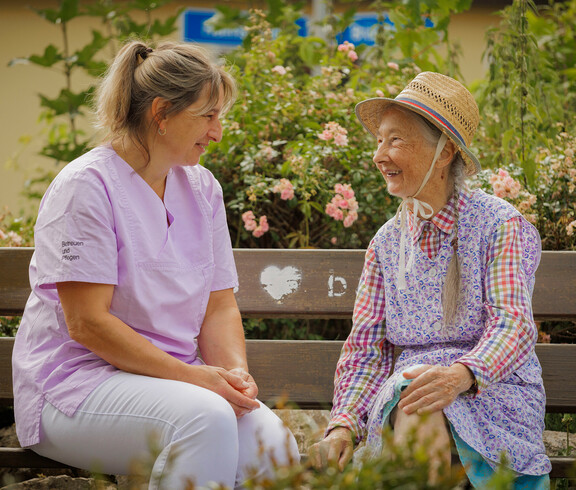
<point x="265" y="443"/>
<point x="214" y="418"/>
<point x="425" y="429"/>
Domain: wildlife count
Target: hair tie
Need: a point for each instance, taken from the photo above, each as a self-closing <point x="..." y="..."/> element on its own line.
<point x="144" y="52"/>
<point x="454" y="244"/>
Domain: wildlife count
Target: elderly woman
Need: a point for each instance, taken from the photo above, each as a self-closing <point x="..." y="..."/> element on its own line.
<point x="449" y="280"/>
<point x="131" y="339"/>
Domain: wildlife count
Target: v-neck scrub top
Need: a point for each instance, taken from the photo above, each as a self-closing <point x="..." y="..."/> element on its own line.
<point x="100" y="222"/>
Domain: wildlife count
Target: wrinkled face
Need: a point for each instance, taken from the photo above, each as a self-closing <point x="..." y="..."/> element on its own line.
<point x="188" y="135"/>
<point x="403" y="155"/>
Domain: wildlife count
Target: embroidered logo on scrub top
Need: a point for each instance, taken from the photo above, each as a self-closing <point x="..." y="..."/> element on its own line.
<point x="67" y="250"/>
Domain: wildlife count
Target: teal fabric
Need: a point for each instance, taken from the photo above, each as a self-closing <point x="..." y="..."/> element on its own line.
<point x="478" y="470"/>
<point x="400" y="385"/>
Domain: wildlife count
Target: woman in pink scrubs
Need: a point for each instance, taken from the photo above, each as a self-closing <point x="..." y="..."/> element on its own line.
<point x="132" y="280"/>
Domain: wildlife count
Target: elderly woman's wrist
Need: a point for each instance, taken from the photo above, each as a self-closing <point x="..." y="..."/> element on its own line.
<point x="469" y="383"/>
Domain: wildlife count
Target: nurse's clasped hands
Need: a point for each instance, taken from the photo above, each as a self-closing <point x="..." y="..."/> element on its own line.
<point x="235" y="386"/>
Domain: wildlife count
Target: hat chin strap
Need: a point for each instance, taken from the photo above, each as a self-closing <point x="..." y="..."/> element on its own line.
<point x="418" y="208"/>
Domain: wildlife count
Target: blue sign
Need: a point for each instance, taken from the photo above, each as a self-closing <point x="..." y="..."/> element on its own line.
<point x="362" y="30"/>
<point x="195" y="29"/>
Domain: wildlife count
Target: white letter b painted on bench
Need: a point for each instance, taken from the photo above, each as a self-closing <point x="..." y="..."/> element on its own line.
<point x="336" y="286"/>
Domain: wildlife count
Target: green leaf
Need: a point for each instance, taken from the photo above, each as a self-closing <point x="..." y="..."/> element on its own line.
<point x="163" y="29"/>
<point x="148" y="5"/>
<point x="227" y="18"/>
<point x="317" y="206"/>
<point x="68" y="10"/>
<point x="310" y="50"/>
<point x="84" y="57"/>
<point x="274" y="12"/>
<point x="50" y="57"/>
<point x="67" y="102"/>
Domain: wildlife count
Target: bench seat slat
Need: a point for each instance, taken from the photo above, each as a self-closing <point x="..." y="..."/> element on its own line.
<point x="16" y="457"/>
<point x="26" y="458"/>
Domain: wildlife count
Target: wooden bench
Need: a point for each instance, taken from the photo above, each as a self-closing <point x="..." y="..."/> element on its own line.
<point x="305" y="284"/>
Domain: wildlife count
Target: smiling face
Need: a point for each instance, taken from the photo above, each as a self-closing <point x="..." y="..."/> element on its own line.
<point x="404" y="155"/>
<point x="188" y="133"/>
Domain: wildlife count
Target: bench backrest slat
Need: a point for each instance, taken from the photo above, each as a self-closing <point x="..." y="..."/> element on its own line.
<point x="309" y="283"/>
<point x="14" y="281"/>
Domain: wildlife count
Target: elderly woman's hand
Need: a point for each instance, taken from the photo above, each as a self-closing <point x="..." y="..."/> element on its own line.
<point x="434" y="387"/>
<point x="336" y="448"/>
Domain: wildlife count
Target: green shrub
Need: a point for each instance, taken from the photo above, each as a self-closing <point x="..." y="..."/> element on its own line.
<point x="295" y="164"/>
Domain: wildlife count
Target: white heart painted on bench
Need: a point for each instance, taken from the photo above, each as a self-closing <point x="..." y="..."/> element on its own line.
<point x="280" y="282"/>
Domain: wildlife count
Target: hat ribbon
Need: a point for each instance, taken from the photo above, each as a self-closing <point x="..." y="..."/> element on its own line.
<point x="439" y="118"/>
<point x="418" y="207"/>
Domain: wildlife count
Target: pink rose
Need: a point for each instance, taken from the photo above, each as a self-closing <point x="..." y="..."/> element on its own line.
<point x="346" y="46"/>
<point x="331" y="209"/>
<point x="349" y="220"/>
<point x="285" y="188"/>
<point x="287" y="194"/>
<point x="249" y="221"/>
<point x="279" y="69"/>
<point x="347" y="193"/>
<point x="262" y="227"/>
<point x="341" y="139"/>
<point x="15" y="238"/>
<point x="326" y="135"/>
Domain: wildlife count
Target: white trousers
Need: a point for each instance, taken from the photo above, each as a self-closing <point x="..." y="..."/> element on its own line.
<point x="192" y="433"/>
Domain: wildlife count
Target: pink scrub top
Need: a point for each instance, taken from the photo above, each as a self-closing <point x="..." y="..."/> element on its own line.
<point x="100" y="222"/>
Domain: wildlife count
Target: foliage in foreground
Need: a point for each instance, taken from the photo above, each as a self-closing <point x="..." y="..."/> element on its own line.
<point x="401" y="468"/>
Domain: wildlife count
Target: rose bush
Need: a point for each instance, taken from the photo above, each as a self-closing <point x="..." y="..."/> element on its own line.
<point x="550" y="202"/>
<point x="293" y="137"/>
<point x="295" y="164"/>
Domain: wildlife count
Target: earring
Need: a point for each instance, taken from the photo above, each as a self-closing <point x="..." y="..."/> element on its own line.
<point x="161" y="131"/>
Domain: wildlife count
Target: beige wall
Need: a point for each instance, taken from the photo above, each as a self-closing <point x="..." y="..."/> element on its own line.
<point x="23" y="32"/>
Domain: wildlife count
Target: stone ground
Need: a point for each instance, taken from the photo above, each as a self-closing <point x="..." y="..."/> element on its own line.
<point x="307" y="426"/>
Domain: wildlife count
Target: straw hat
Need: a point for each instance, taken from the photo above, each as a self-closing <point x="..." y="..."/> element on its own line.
<point x="445" y="102"/>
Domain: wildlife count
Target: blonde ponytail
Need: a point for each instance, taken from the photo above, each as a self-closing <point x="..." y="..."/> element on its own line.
<point x="114" y="95"/>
